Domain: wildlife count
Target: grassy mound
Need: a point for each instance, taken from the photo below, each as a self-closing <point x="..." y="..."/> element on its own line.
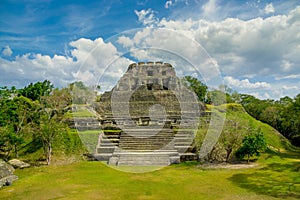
<point x="275" y="140"/>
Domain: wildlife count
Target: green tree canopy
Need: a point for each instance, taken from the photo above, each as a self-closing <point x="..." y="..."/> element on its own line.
<point x="197" y="86"/>
<point x="252" y="144"/>
<point x="37" y="90"/>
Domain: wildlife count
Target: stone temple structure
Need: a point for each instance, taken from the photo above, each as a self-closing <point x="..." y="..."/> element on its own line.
<point x="148" y="118"/>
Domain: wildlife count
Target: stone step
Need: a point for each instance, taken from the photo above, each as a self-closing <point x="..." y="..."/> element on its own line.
<point x="147" y="134"/>
<point x="140" y="139"/>
<point x="153" y="148"/>
<point x="102" y="156"/>
<point x="180" y="134"/>
<point x="120" y="151"/>
<point x="137" y="129"/>
<point x="182" y="143"/>
<point x="143" y="146"/>
<point x="144" y="142"/>
<point x="109" y="141"/>
<point x="112" y="136"/>
<point x="183" y="140"/>
<point x="188" y="156"/>
<point x="183" y="149"/>
<point x="145" y="158"/>
<point x="148" y="131"/>
<point x="145" y="139"/>
<point x="121" y="142"/>
<point x="106" y="149"/>
<point x="107" y="144"/>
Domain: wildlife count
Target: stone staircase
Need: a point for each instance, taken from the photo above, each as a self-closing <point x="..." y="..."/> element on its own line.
<point x="108" y="141"/>
<point x="183" y="141"/>
<point x="138" y="146"/>
<point x="145" y="139"/>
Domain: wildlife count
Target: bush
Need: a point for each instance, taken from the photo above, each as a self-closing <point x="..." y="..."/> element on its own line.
<point x="252" y="144"/>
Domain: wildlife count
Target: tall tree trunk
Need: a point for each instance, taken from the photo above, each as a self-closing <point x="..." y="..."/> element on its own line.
<point x="228" y="154"/>
<point x="16" y="152"/>
<point x="49" y="153"/>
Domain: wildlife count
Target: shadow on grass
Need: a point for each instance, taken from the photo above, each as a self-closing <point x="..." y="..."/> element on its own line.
<point x="33" y="146"/>
<point x="271" y="155"/>
<point x="279" y="180"/>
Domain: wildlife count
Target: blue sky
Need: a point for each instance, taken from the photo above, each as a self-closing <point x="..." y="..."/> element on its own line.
<point x="255" y="45"/>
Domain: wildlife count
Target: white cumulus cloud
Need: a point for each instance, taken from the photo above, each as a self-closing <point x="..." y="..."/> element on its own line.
<point x="125" y="41"/>
<point x="89" y="61"/>
<point x="210" y="9"/>
<point x="168" y="4"/>
<point x="245" y="83"/>
<point x="261" y="47"/>
<point x="146" y="16"/>
<point x="7" y="51"/>
<point x="269" y="8"/>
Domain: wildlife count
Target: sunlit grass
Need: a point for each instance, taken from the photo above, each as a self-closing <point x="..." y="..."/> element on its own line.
<point x="82" y="113"/>
<point x="276" y="177"/>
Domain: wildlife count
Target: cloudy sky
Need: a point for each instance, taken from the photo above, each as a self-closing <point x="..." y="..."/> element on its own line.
<point x="251" y="46"/>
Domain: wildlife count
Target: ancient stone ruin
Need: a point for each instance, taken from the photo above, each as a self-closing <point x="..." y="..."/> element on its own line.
<point x="148" y="118"/>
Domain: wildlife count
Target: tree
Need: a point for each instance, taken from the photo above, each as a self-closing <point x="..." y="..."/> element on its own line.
<point x="252" y="144"/>
<point x="197" y="86"/>
<point x="82" y="94"/>
<point x="231" y="137"/>
<point x="291" y="121"/>
<point x="216" y="97"/>
<point x="49" y="130"/>
<point x="16" y="117"/>
<point x="271" y="116"/>
<point x="6" y="141"/>
<point x="51" y="123"/>
<point x="285" y="101"/>
<point x="37" y="90"/>
<point x="235" y="96"/>
<point x="282" y="114"/>
<point x="6" y="93"/>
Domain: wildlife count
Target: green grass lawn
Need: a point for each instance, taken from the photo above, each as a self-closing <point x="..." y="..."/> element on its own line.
<point x="81" y="112"/>
<point x="276" y="177"/>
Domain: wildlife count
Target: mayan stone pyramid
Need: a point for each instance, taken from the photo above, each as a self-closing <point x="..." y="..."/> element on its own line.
<point x="148" y="118"/>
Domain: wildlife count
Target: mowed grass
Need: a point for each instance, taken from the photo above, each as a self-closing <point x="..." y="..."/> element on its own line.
<point x="276" y="177"/>
<point x="81" y="112"/>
